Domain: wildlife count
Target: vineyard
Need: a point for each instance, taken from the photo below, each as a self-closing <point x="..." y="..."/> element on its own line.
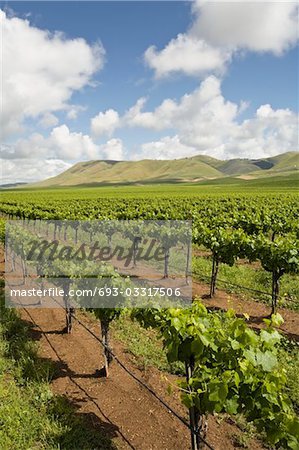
<point x="225" y="366"/>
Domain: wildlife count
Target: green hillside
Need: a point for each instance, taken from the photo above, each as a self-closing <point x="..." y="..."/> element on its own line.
<point x="196" y="169"/>
<point x="287" y="163"/>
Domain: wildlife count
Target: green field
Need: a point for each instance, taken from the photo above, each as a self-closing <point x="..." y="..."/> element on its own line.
<point x="227" y="186"/>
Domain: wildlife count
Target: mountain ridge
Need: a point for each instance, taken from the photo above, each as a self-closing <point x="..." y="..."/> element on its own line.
<point x="192" y="169"/>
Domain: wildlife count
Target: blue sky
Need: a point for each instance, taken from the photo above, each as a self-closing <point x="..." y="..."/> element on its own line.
<point x="230" y="91"/>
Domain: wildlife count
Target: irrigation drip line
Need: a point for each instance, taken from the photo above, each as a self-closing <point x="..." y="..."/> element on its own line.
<point x="237" y="285"/>
<point x="226" y="282"/>
<point x="223" y="282"/>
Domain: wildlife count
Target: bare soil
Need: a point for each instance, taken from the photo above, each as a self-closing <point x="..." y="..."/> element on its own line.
<point x="256" y="311"/>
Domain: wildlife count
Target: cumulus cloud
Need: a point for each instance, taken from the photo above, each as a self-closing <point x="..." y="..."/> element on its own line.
<point x="30" y="170"/>
<point x="48" y="120"/>
<point x="73" y="145"/>
<point x="105" y="123"/>
<point x="186" y="54"/>
<point x="113" y="150"/>
<point x="257" y="26"/>
<point x="259" y="137"/>
<point x="190" y="114"/>
<point x="204" y="122"/>
<point x="61" y="144"/>
<point x="159" y="119"/>
<point x="268" y="133"/>
<point x="169" y="147"/>
<point x="41" y="70"/>
<point x="36" y="146"/>
<point x="219" y="30"/>
<point x="74" y="110"/>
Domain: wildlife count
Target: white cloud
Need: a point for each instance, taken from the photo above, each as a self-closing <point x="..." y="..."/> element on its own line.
<point x="74" y="110"/>
<point x="192" y="114"/>
<point x="113" y="149"/>
<point x="159" y="119"/>
<point x="48" y="120"/>
<point x="257" y="26"/>
<point x="61" y="144"/>
<point x="268" y="133"/>
<point x="204" y="122"/>
<point x="186" y="54"/>
<point x="41" y="70"/>
<point x="30" y="170"/>
<point x="36" y="146"/>
<point x="39" y="158"/>
<point x="168" y="147"/>
<point x="219" y="30"/>
<point x="72" y="146"/>
<point x="105" y="123"/>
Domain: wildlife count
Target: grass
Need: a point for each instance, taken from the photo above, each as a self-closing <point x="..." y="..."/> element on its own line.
<point x="248" y="431"/>
<point x="289" y="360"/>
<point x="31" y="416"/>
<point x="218" y="187"/>
<point x="144" y="345"/>
<point x="252" y="278"/>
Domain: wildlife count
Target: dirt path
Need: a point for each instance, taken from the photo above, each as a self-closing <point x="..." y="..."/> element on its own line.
<point x="124" y="410"/>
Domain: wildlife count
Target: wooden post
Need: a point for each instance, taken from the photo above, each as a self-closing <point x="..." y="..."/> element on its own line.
<point x="215" y="276"/>
<point x="65" y="232"/>
<point x="68" y="309"/>
<point x="188" y="261"/>
<point x="135" y="249"/>
<point x="166" y="262"/>
<point x="106" y="352"/>
<point x="193" y="413"/>
<point x="212" y="276"/>
<point x="275" y="290"/>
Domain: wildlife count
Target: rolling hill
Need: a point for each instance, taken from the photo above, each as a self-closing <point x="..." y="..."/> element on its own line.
<point x="193" y="169"/>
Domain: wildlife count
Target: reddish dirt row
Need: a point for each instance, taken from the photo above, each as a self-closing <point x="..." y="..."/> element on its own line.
<point x="257" y="311"/>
